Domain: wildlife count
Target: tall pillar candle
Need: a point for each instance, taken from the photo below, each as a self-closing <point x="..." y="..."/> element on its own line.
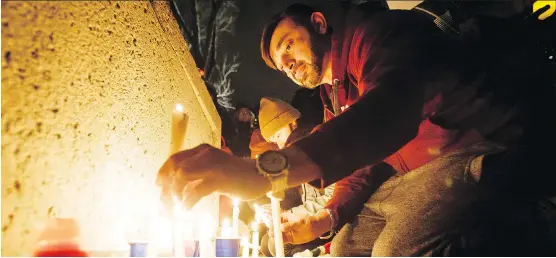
<point x="276" y="224"/>
<point x="255" y="240"/>
<point x="235" y="218"/>
<point x="179" y="126"/>
<point x="245" y="247"/>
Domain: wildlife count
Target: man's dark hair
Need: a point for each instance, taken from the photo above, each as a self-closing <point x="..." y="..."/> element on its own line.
<point x="298" y="13"/>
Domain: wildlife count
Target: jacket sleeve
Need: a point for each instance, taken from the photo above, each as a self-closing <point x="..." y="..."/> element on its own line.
<point x="352" y="192"/>
<point x="314" y="201"/>
<point x="390" y="66"/>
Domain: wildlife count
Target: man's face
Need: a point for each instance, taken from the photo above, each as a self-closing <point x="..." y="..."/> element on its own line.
<point x="298" y="52"/>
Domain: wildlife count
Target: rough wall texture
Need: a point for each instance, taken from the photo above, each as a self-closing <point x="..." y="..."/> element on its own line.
<point x="87" y="94"/>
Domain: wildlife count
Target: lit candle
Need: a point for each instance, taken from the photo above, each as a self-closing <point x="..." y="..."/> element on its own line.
<point x="206" y="238"/>
<point x="179" y="229"/>
<point x="276" y="224"/>
<point x="226" y="229"/>
<point x="255" y="240"/>
<point x="235" y="217"/>
<point x="179" y="125"/>
<point x="245" y="247"/>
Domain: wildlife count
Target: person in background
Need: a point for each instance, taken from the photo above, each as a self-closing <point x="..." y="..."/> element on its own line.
<point x="244" y="124"/>
<point x="278" y="122"/>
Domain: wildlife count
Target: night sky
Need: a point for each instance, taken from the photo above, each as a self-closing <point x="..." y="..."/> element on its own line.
<point x="254" y="79"/>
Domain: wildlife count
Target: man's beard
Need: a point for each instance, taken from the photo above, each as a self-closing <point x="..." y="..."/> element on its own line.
<point x="314" y="69"/>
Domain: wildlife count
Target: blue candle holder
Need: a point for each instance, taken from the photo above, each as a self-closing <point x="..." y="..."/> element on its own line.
<point x="138" y="249"/>
<point x="227" y="247"/>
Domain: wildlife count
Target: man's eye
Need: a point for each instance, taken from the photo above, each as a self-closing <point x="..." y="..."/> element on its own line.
<point x="288" y="48"/>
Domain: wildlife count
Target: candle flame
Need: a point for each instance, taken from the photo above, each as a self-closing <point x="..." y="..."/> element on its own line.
<point x="235" y="201"/>
<point x="179" y="108"/>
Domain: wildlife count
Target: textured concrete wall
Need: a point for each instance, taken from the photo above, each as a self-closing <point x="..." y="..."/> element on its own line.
<point x="87" y="94"/>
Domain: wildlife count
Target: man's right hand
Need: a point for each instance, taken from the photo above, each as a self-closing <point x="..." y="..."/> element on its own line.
<point x="306" y="229"/>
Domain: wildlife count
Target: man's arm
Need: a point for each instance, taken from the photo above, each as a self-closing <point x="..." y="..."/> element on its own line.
<point x="391" y="65"/>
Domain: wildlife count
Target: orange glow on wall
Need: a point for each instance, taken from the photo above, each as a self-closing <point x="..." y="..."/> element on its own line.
<point x="87" y="94"/>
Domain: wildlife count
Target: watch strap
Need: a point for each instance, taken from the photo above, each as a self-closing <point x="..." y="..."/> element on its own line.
<point x="279" y="184"/>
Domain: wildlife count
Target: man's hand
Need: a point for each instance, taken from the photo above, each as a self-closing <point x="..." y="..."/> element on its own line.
<point x="288" y="216"/>
<point x="194" y="173"/>
<point x="306" y="229"/>
<point x="285" y="216"/>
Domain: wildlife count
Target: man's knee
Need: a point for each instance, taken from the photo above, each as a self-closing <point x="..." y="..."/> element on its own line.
<point x="510" y="228"/>
<point x="356" y="239"/>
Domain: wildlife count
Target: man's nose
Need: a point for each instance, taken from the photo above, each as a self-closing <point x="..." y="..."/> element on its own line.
<point x="288" y="65"/>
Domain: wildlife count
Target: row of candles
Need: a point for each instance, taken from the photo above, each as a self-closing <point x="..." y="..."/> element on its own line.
<point x="179" y="126"/>
<point x="227" y="232"/>
<point x="180" y="226"/>
<point x="233" y="232"/>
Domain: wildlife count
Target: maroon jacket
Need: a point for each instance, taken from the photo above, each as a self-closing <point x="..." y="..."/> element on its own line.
<point x="406" y="94"/>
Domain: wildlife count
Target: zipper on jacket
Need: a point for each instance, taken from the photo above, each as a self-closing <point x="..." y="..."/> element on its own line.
<point x="335" y="98"/>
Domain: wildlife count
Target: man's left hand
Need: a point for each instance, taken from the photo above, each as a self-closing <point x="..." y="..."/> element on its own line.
<point x="195" y="173"/>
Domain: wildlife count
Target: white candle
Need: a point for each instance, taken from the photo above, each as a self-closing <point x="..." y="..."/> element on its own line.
<point x="206" y="238"/>
<point x="177" y="135"/>
<point x="245" y="247"/>
<point x="255" y="240"/>
<point x="235" y="218"/>
<point x="226" y="229"/>
<point x="179" y="125"/>
<point x="179" y="229"/>
<point x="276" y="224"/>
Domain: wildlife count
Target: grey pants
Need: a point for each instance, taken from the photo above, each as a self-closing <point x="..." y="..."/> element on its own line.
<point x="442" y="209"/>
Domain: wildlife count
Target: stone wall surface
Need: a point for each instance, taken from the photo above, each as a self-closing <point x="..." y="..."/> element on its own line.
<point x="87" y="93"/>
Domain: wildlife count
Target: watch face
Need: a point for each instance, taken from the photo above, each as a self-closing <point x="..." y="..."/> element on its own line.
<point x="273" y="162"/>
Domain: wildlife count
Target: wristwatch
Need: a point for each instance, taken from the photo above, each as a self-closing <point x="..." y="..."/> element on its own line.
<point x="274" y="166"/>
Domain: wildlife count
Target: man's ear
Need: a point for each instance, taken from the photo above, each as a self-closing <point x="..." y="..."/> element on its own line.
<point x="319" y="22"/>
